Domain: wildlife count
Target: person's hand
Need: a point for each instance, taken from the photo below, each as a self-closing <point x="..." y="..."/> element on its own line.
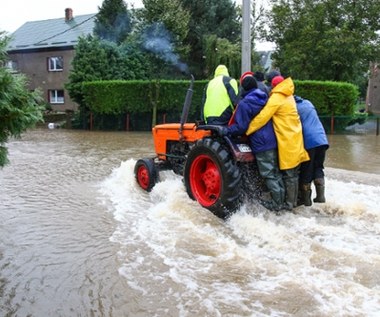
<point x="222" y="130"/>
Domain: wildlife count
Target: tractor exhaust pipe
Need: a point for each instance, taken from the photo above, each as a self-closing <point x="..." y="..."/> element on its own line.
<point x="186" y="107"/>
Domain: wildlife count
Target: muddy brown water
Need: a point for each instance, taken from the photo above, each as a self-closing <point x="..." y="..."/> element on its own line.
<point x="79" y="238"/>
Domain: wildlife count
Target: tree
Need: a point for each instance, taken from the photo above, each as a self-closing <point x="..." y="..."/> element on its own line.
<point x="211" y="17"/>
<point x="221" y="51"/>
<point x="157" y="44"/>
<point x="93" y="60"/>
<point x="113" y="21"/>
<point x="326" y="39"/>
<point x="161" y="35"/>
<point x="258" y="21"/>
<point x="19" y="108"/>
<point x="175" y="19"/>
<point x="102" y="60"/>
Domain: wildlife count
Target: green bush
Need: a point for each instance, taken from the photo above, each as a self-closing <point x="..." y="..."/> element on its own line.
<point x="329" y="98"/>
<point x="359" y="117"/>
<point x="143" y="99"/>
<point x="136" y="96"/>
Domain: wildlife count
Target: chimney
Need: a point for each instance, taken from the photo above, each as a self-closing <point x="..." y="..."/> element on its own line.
<point x="68" y="14"/>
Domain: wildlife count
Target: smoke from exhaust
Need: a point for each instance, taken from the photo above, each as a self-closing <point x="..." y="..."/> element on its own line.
<point x="158" y="40"/>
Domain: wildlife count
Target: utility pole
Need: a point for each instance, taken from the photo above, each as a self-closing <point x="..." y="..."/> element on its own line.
<point x="246" y="37"/>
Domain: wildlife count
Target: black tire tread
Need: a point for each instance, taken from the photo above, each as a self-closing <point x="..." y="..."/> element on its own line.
<point x="153" y="172"/>
<point x="230" y="197"/>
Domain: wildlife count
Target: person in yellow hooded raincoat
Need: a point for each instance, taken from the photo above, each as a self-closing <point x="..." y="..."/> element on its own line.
<point x="281" y="108"/>
<point x="220" y="97"/>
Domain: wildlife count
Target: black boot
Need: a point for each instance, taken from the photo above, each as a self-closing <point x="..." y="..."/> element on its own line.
<point x="305" y="193"/>
<point x="291" y="193"/>
<point x="277" y="191"/>
<point x="271" y="205"/>
<point x="320" y="189"/>
<point x="290" y="178"/>
<point x="300" y="200"/>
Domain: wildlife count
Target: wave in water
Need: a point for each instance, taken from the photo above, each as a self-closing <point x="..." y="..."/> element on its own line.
<point x="180" y="259"/>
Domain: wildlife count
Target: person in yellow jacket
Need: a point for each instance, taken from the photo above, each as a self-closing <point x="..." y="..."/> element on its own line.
<point x="220" y="97"/>
<point x="281" y="108"/>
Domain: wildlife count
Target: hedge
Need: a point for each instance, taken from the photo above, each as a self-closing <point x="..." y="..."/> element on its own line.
<point x="168" y="96"/>
<point x="117" y="96"/>
<point x="329" y="98"/>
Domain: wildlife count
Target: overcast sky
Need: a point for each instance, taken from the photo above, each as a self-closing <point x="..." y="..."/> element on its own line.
<point x="16" y="12"/>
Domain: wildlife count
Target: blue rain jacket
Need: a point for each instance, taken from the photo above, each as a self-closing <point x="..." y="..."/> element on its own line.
<point x="312" y="129"/>
<point x="249" y="106"/>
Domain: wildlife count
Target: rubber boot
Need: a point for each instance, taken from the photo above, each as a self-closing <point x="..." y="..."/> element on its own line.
<point x="305" y="193"/>
<point x="291" y="193"/>
<point x="300" y="200"/>
<point x="271" y="205"/>
<point x="277" y="191"/>
<point x="320" y="189"/>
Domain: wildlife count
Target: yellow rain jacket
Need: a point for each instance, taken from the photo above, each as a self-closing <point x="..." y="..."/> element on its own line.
<point x="281" y="108"/>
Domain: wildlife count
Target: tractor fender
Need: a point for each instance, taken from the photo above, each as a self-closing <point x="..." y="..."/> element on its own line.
<point x="239" y="147"/>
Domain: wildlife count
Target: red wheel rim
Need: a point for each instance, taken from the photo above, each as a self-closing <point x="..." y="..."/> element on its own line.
<point x="143" y="177"/>
<point x="205" y="180"/>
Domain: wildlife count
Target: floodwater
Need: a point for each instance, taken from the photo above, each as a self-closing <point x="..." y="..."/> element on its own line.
<point x="78" y="237"/>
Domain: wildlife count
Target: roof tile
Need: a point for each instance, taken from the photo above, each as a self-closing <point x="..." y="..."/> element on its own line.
<point x="51" y="33"/>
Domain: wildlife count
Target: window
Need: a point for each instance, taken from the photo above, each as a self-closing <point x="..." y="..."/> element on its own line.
<point x="55" y="64"/>
<point x="56" y="96"/>
<point x="12" y="65"/>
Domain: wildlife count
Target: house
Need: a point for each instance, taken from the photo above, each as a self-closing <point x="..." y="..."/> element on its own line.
<point x="43" y="51"/>
<point x="266" y="60"/>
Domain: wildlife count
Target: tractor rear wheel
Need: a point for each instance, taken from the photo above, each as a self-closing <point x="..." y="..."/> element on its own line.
<point x="146" y="173"/>
<point x="212" y="177"/>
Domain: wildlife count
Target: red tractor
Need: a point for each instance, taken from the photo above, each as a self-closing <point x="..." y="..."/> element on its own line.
<point x="219" y="171"/>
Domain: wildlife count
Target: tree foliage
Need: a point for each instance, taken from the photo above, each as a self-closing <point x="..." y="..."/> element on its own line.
<point x="103" y="60"/>
<point x="167" y="39"/>
<point x="113" y="21"/>
<point x="325" y="39"/>
<point x="172" y="15"/>
<point x="221" y="51"/>
<point x="19" y="108"/>
<point x="211" y="17"/>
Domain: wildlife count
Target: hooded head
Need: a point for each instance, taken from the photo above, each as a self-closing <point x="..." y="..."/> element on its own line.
<point x="249" y="83"/>
<point x="276" y="80"/>
<point x="271" y="75"/>
<point x="221" y="70"/>
<point x="259" y="76"/>
<point x="244" y="76"/>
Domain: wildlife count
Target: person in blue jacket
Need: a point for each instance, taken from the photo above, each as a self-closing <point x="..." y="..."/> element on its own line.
<point x="263" y="142"/>
<point x="316" y="144"/>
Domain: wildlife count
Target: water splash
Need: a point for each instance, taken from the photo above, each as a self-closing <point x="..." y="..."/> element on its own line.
<point x="319" y="261"/>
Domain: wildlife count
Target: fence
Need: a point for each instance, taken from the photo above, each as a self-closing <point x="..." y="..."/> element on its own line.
<point x="345" y="125"/>
<point x="129" y="122"/>
<point x="143" y="122"/>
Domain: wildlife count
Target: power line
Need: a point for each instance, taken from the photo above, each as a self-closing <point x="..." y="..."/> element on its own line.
<point x="67" y="30"/>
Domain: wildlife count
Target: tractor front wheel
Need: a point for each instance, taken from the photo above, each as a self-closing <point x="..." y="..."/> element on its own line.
<point x="212" y="177"/>
<point x="146" y="173"/>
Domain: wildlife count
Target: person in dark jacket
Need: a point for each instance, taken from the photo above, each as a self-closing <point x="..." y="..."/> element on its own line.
<point x="263" y="142"/>
<point x="316" y="144"/>
<point x="259" y="79"/>
<point x="259" y="76"/>
<point x="269" y="77"/>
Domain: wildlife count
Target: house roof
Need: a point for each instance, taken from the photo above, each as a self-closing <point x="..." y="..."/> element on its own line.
<point x="51" y="33"/>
